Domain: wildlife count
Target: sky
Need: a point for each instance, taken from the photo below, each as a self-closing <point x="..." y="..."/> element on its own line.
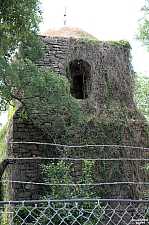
<point x="105" y="19"/>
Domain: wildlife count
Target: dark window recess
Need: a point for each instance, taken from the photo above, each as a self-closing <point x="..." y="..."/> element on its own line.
<point x="79" y="73"/>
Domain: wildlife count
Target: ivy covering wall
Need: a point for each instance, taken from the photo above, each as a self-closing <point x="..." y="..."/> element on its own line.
<point x="107" y="115"/>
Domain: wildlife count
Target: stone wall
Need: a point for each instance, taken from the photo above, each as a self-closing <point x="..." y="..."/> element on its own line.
<point x="20" y="130"/>
<point x="106" y="61"/>
<point x="98" y="67"/>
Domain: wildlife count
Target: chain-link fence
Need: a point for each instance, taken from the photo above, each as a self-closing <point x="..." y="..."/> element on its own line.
<point x="75" y="212"/>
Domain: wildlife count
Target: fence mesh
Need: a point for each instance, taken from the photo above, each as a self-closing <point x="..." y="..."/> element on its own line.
<point x="75" y="212"/>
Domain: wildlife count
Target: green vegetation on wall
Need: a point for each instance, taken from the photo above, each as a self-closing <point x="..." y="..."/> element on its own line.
<point x="111" y="119"/>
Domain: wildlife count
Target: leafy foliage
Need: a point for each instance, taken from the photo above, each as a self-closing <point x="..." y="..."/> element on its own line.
<point x="41" y="92"/>
<point x="46" y="98"/>
<point x="124" y="43"/>
<point x="62" y="212"/>
<point x="37" y="89"/>
<point x="18" y="20"/>
<point x="141" y="93"/>
<point x="60" y="173"/>
<point x="143" y="29"/>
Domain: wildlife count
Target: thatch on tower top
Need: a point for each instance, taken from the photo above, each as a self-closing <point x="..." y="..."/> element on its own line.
<point x="67" y="31"/>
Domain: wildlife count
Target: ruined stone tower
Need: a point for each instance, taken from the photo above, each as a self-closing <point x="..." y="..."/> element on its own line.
<point x="101" y="79"/>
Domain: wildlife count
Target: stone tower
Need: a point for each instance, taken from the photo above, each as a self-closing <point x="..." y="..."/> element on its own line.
<point x="101" y="80"/>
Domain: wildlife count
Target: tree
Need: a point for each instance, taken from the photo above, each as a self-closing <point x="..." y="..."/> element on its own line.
<point x="143" y="29"/>
<point x="37" y="89"/>
<point x="18" y="20"/>
<point x="19" y="26"/>
<point x="141" y="93"/>
<point x="42" y="93"/>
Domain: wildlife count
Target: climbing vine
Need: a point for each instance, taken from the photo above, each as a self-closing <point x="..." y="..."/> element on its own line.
<point x="110" y="119"/>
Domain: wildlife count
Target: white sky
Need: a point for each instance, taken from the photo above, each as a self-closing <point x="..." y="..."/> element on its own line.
<point x="105" y="19"/>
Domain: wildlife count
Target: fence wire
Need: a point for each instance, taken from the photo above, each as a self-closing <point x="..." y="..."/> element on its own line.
<point x="75" y="212"/>
<point x="74" y="184"/>
<point x="25" y="170"/>
<point x="78" y="146"/>
<point x="79" y="159"/>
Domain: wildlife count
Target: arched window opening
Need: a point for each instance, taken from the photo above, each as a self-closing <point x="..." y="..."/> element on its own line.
<point x="79" y="73"/>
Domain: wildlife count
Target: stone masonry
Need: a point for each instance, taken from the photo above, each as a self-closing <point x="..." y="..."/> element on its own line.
<point x="83" y="63"/>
